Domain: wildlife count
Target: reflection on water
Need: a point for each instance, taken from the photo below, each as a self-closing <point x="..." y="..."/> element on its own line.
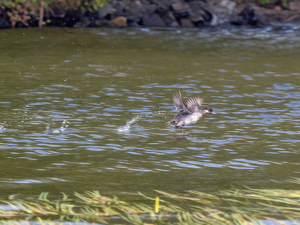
<point x="85" y="109"/>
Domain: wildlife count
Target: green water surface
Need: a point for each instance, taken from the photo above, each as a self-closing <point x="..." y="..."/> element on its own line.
<point x="85" y="109"/>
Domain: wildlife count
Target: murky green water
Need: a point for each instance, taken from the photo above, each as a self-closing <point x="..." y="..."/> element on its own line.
<point x="66" y="95"/>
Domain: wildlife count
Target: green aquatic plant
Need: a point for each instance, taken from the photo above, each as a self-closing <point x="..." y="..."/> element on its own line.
<point x="249" y="206"/>
<point x="263" y="1"/>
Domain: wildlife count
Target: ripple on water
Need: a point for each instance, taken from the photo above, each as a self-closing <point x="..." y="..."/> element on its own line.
<point x="102" y="113"/>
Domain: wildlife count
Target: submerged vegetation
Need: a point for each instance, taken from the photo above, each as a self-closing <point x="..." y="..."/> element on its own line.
<point x="250" y="206"/>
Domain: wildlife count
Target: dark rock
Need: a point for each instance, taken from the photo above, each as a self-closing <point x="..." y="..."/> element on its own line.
<point x="167" y="17"/>
<point x="4" y="23"/>
<point x="174" y="24"/>
<point x="149" y="8"/>
<point x="152" y="19"/>
<point x="145" y="2"/>
<point x="65" y="20"/>
<point x="162" y="4"/>
<point x="105" y="10"/>
<point x="179" y="13"/>
<point x="200" y="12"/>
<point x="84" y="22"/>
<point x="284" y="16"/>
<point x="251" y="16"/>
<point x="181" y="9"/>
<point x="186" y="23"/>
<point x="112" y="10"/>
<point x="101" y="23"/>
<point x="197" y="19"/>
<point x="134" y="11"/>
<point x="132" y="24"/>
<point x="119" y="9"/>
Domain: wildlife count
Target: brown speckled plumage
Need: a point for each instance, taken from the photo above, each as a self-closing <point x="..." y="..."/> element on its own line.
<point x="190" y="112"/>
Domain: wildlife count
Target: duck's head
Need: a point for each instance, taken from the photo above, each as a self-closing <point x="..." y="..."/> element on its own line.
<point x="208" y="110"/>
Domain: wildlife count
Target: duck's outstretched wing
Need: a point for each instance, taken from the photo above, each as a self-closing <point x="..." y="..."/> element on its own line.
<point x="193" y="104"/>
<point x="179" y="105"/>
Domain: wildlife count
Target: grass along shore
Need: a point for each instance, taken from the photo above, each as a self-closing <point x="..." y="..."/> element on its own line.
<point x="248" y="206"/>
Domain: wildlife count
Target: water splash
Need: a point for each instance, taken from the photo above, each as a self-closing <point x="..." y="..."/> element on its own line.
<point x="126" y="128"/>
<point x="2" y="128"/>
<point x="136" y="118"/>
<point x="64" y="125"/>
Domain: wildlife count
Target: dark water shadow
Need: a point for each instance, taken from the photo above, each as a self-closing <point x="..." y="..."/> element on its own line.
<point x="181" y="137"/>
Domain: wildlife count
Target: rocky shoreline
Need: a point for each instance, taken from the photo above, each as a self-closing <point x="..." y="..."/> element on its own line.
<point x="175" y="14"/>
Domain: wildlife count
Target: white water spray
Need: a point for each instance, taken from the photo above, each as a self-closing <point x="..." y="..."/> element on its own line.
<point x="2" y="128"/>
<point x="126" y="128"/>
<point x="136" y="118"/>
<point x="64" y="125"/>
